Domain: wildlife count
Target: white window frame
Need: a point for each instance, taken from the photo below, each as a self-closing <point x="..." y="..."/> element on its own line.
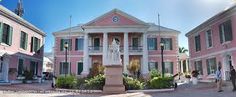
<point x="207" y="39"/>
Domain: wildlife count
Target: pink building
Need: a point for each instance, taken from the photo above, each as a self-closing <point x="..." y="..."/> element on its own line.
<point x="21" y="47"/>
<point x="89" y="42"/>
<point x="214" y="41"/>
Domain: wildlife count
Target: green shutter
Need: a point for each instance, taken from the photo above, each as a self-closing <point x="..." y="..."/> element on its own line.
<point x="38" y="45"/>
<point x="10" y="36"/>
<point x="33" y="43"/>
<point x="79" y="68"/>
<point x="1" y="31"/>
<point x="172" y="68"/>
<point x="62" y="44"/>
<point x="26" y="41"/>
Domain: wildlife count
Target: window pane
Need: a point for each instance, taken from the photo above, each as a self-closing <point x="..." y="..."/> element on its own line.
<point x="168" y="67"/>
<point x="197" y="43"/>
<point x="5" y="34"/>
<point x="80" y="44"/>
<point x="209" y="38"/>
<point x="198" y="67"/>
<point x="211" y="66"/>
<point x="152" y="65"/>
<point x="167" y="43"/>
<point x="152" y="43"/>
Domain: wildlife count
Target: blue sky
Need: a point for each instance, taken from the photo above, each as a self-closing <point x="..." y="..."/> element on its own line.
<point x="182" y="15"/>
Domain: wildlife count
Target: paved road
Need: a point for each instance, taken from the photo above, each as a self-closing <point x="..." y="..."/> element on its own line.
<point x="200" y="90"/>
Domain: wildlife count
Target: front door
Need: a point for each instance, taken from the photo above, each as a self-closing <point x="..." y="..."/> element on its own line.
<point x="1" y="71"/>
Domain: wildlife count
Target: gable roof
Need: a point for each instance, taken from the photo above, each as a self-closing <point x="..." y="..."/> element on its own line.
<point x="117" y="11"/>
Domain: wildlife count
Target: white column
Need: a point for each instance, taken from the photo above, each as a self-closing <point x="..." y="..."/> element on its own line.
<point x="105" y="48"/>
<point x="182" y="66"/>
<point x="187" y="66"/>
<point x="144" y="66"/>
<point x="86" y="56"/>
<point x="126" y="52"/>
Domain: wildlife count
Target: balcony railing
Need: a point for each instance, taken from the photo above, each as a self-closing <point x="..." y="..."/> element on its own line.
<point x="98" y="49"/>
<point x="95" y="49"/>
<point x="135" y="48"/>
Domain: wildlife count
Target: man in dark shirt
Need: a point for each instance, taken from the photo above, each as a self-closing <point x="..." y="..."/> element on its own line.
<point x="233" y="77"/>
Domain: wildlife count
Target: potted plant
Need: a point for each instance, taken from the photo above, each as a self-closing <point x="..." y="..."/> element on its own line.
<point x="195" y="74"/>
<point x="188" y="77"/>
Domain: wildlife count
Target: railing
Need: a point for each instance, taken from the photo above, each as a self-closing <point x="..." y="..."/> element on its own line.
<point x="135" y="48"/>
<point x="95" y="49"/>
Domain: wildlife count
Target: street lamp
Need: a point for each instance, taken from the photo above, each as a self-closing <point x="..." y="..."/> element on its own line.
<point x="162" y="60"/>
<point x="66" y="47"/>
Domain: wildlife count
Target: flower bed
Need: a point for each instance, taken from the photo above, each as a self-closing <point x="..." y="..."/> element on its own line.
<point x="130" y="83"/>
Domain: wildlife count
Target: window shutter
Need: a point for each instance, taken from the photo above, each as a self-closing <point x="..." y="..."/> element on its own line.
<point x="171" y="66"/>
<point x="156" y="63"/>
<point x="149" y="66"/>
<point x="62" y="44"/>
<point x="70" y="44"/>
<point x="26" y="41"/>
<point x="61" y="67"/>
<point x="1" y="31"/>
<point x="32" y="44"/>
<point x="221" y="33"/>
<point x="208" y="67"/>
<point x="171" y="44"/>
<point x="76" y="44"/>
<point x="10" y="36"/>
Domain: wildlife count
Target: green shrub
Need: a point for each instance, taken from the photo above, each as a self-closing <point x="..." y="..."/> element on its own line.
<point x="96" y="82"/>
<point x="68" y="82"/>
<point x="160" y="83"/>
<point x="154" y="73"/>
<point x="132" y="84"/>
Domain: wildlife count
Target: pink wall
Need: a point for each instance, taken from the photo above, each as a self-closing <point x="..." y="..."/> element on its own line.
<point x="217" y="46"/>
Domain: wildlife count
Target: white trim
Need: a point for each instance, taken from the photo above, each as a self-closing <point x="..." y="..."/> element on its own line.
<point x="207" y="40"/>
<point x="214" y="53"/>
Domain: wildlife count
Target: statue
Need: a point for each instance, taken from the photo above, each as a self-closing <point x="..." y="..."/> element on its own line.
<point x="114" y="53"/>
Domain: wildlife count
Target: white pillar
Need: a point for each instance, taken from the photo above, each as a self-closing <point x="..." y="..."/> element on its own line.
<point x="187" y="66"/>
<point x="182" y="66"/>
<point x="105" y="48"/>
<point x="86" y="56"/>
<point x="126" y="52"/>
<point x="144" y="66"/>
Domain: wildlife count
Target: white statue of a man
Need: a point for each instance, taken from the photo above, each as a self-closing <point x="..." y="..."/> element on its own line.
<point x="114" y="53"/>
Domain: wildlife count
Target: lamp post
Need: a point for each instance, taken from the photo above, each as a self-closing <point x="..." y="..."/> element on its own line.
<point x="162" y="60"/>
<point x="66" y="47"/>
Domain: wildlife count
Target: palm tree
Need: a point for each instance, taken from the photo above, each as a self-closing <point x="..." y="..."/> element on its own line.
<point x="182" y="50"/>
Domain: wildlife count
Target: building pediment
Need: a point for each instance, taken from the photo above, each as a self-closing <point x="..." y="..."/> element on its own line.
<point x="115" y="18"/>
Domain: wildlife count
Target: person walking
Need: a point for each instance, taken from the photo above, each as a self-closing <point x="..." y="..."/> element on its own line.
<point x="219" y="78"/>
<point x="233" y="77"/>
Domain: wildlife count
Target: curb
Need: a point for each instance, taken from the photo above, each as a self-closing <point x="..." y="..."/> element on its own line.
<point x="128" y="91"/>
<point x="151" y="90"/>
<point x="78" y="91"/>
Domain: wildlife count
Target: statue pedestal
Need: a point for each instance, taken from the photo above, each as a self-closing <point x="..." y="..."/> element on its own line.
<point x="114" y="79"/>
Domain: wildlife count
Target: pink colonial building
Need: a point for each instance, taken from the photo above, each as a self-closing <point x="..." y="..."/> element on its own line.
<point x="89" y="43"/>
<point x="21" y="47"/>
<point x="212" y="42"/>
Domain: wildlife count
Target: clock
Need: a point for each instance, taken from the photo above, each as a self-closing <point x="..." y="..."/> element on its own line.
<point x="115" y="19"/>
